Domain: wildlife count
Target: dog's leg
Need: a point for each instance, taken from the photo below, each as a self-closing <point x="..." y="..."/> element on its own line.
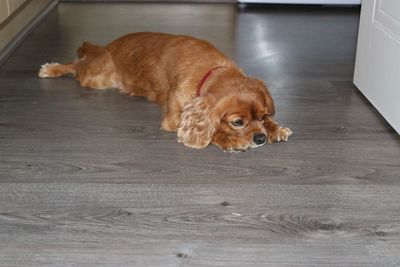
<point x="170" y="122"/>
<point x="56" y="70"/>
<point x="275" y="132"/>
<point x="94" y="69"/>
<point x="85" y="51"/>
<point x="172" y="114"/>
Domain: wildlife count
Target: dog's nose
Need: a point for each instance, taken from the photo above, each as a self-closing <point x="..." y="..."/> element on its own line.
<point x="259" y="139"/>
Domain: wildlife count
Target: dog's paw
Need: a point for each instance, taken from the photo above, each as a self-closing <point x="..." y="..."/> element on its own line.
<point x="284" y="134"/>
<point x="46" y="70"/>
<point x="281" y="134"/>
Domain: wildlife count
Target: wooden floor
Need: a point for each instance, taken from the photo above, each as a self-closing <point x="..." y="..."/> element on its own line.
<point x="88" y="179"/>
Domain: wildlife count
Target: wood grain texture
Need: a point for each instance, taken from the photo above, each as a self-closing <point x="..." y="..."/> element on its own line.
<point x="88" y="179"/>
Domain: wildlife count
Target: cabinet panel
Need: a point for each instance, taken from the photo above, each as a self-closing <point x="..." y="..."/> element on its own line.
<point x="387" y="16"/>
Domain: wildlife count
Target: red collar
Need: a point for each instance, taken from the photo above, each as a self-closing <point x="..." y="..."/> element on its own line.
<point x="208" y="74"/>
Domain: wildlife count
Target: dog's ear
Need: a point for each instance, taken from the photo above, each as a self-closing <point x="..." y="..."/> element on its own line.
<point x="198" y="123"/>
<point x="269" y="102"/>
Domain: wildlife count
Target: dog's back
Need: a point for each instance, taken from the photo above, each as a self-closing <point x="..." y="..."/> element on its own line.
<point x="142" y="64"/>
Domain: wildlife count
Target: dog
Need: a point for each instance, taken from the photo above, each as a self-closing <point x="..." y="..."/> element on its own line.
<point x="204" y="96"/>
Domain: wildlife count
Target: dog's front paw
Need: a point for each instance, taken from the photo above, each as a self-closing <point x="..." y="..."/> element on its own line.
<point x="280" y="134"/>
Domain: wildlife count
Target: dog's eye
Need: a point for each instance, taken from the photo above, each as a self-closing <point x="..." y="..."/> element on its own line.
<point x="237" y="123"/>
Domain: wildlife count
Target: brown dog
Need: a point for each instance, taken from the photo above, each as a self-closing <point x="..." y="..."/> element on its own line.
<point x="204" y="96"/>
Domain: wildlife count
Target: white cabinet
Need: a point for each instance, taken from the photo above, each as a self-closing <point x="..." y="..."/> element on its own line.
<point x="377" y="71"/>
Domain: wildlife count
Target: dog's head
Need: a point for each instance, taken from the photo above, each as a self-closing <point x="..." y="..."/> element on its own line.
<point x="231" y="115"/>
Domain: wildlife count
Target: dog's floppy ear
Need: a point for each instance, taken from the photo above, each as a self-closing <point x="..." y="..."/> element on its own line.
<point x="269" y="102"/>
<point x="198" y="123"/>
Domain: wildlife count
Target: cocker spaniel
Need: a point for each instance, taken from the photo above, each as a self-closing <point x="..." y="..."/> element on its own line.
<point x="204" y="95"/>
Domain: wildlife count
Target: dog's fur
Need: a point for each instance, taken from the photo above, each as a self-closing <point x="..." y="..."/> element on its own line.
<point x="232" y="111"/>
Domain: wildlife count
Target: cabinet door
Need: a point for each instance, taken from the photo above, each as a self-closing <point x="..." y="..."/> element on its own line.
<point x="377" y="72"/>
<point x="3" y="10"/>
<point x="14" y="4"/>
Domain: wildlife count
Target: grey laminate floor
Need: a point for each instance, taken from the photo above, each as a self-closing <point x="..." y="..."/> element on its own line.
<point x="88" y="179"/>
